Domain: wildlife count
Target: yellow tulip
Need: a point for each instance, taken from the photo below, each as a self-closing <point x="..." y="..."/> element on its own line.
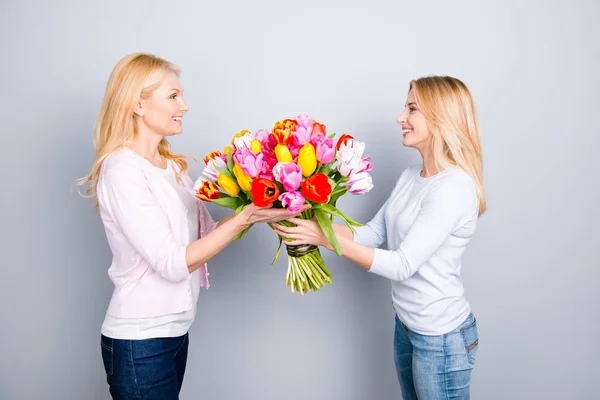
<point x="244" y="180"/>
<point x="307" y="159"/>
<point x="255" y="146"/>
<point x="228" y="150"/>
<point x="229" y="186"/>
<point x="283" y="153"/>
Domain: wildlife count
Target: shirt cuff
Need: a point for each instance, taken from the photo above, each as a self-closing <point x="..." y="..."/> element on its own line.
<point x="387" y="263"/>
<point x="180" y="270"/>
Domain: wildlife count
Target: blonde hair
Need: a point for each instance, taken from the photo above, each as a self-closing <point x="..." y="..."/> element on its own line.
<point x="115" y="126"/>
<point x="452" y="120"/>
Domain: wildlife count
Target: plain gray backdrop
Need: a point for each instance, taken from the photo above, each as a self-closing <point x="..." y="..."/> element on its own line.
<point x="531" y="271"/>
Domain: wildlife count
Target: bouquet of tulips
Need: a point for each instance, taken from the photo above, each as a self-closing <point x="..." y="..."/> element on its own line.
<point x="293" y="164"/>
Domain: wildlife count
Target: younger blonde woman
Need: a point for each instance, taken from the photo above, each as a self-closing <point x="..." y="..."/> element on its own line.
<point x="427" y="223"/>
<point x="160" y="236"/>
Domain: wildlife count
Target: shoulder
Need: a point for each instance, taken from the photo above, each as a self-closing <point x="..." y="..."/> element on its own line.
<point x="122" y="161"/>
<point x="457" y="179"/>
<point x="455" y="187"/>
<point x="122" y="166"/>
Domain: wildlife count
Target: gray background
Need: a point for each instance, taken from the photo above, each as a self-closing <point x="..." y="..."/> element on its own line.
<point x="531" y="271"/>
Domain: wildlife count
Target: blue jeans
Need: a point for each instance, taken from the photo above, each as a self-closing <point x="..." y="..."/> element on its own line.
<point x="436" y="367"/>
<point x="145" y="369"/>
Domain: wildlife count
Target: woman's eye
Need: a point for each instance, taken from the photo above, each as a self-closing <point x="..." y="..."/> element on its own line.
<point x="174" y="95"/>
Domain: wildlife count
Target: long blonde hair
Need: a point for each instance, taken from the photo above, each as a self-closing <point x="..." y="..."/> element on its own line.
<point x="115" y="126"/>
<point x="452" y="120"/>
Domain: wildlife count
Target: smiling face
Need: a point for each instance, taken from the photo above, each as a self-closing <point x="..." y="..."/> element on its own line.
<point x="415" y="131"/>
<point x="162" y="112"/>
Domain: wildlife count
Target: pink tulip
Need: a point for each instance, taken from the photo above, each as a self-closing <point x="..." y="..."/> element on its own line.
<point x="324" y="148"/>
<point x="289" y="174"/>
<point x="251" y="163"/>
<point x="262" y="136"/>
<point x="269" y="162"/>
<point x="303" y="131"/>
<point x="292" y="200"/>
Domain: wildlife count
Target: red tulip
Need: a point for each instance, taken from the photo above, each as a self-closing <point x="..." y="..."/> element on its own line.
<point x="317" y="188"/>
<point x="264" y="192"/>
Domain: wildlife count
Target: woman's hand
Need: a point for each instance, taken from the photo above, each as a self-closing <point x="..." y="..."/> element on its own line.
<point x="306" y="232"/>
<point x="253" y="214"/>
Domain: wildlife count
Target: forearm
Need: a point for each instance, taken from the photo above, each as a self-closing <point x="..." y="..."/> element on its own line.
<point x="229" y="217"/>
<point x="199" y="252"/>
<point x="355" y="252"/>
<point x="342" y="231"/>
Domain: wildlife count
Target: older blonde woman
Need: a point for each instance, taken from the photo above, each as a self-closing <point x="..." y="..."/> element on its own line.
<point x="427" y="223"/>
<point x="160" y="236"/>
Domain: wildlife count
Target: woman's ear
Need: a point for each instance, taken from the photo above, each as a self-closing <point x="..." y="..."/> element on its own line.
<point x="138" y="109"/>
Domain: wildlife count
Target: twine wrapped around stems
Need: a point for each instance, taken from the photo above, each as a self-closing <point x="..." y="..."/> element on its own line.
<point x="300" y="250"/>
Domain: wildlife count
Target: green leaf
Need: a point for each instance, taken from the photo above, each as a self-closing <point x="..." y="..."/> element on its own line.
<point x="326" y="169"/>
<point x="325" y="225"/>
<point x="228" y="202"/>
<point x="241" y="234"/>
<point x="335" y="196"/>
<point x="331" y="136"/>
<point x="230" y="161"/>
<point x="329" y="209"/>
<point x="278" y="250"/>
<point x="226" y="172"/>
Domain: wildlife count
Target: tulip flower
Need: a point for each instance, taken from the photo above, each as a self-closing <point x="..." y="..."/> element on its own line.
<point x="283" y="153"/>
<point x="242" y="140"/>
<point x="283" y="131"/>
<point x="324" y="149"/>
<point x="262" y="135"/>
<point x="350" y="145"/>
<point x="244" y="180"/>
<point x="289" y="174"/>
<point x="303" y="131"/>
<point x="264" y="192"/>
<point x="317" y="188"/>
<point x="360" y="183"/>
<point x="211" y="156"/>
<point x="228" y="185"/>
<point x="319" y="128"/>
<point x="349" y="163"/>
<point x="366" y="165"/>
<point x="251" y="163"/>
<point x="208" y="191"/>
<point x="255" y="146"/>
<point x="343" y="140"/>
<point x="213" y="161"/>
<point x="294" y="201"/>
<point x="307" y="159"/>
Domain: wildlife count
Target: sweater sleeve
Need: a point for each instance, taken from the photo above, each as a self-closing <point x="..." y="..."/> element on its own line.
<point x="207" y="224"/>
<point x="444" y="209"/>
<point x="373" y="234"/>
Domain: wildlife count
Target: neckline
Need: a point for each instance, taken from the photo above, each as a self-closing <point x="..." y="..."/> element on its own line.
<point x="148" y="161"/>
<point x="429" y="178"/>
